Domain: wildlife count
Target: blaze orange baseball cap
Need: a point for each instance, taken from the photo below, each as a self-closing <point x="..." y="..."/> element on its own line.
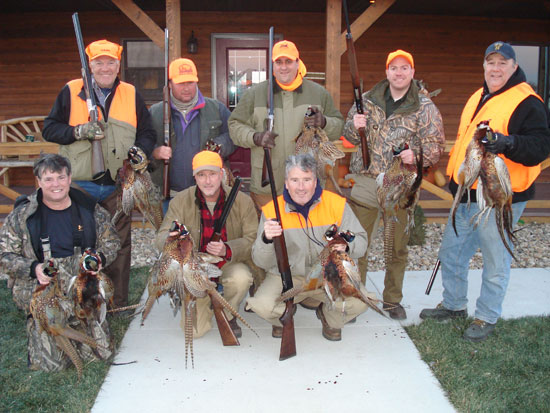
<point x="183" y="70"/>
<point x="400" y="53"/>
<point x="207" y="160"/>
<point x="285" y="48"/>
<point x="104" y="48"/>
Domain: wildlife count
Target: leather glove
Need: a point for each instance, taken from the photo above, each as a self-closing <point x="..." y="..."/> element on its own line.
<point x="315" y="119"/>
<point x="500" y="143"/>
<point x="265" y="139"/>
<point x="91" y="130"/>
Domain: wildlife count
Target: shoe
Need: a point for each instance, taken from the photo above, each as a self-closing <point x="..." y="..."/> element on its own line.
<point x="310" y="303"/>
<point x="479" y="330"/>
<point x="395" y="310"/>
<point x="441" y="313"/>
<point x="235" y="327"/>
<point x="277" y="332"/>
<point x="331" y="334"/>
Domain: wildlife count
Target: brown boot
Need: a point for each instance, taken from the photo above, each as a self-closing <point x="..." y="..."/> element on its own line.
<point x="396" y="311"/>
<point x="235" y="327"/>
<point x="332" y="334"/>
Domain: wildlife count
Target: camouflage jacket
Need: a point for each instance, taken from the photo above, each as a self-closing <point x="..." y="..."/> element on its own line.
<point x="18" y="256"/>
<point x="416" y="122"/>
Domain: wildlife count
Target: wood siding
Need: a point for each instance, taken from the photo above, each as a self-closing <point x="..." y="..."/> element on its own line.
<point x="39" y="53"/>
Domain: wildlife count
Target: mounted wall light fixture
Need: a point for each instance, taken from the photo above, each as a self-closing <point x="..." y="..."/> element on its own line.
<point x="192" y="44"/>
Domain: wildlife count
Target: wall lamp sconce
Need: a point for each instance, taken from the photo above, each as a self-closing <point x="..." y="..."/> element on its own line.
<point x="192" y="44"/>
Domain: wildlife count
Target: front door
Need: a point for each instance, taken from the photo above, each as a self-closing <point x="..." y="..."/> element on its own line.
<point x="241" y="61"/>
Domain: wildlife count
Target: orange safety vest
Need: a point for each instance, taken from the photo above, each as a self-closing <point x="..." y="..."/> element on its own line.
<point x="329" y="211"/>
<point x="120" y="130"/>
<point x="123" y="105"/>
<point x="498" y="111"/>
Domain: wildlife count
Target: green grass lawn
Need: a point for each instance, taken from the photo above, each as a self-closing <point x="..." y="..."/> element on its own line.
<point x="510" y="372"/>
<point x="24" y="390"/>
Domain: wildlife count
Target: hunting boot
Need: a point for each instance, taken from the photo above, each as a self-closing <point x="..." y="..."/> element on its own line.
<point x="441" y="313"/>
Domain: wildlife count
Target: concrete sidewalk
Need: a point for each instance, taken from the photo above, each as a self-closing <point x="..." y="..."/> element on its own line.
<point x="374" y="367"/>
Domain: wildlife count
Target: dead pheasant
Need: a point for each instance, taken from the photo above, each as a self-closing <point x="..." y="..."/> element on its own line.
<point x="229" y="178"/>
<point x="315" y="141"/>
<point x="469" y="170"/>
<point x="137" y="189"/>
<point x="494" y="189"/>
<point x="336" y="273"/>
<point x="184" y="273"/>
<point x="398" y="188"/>
<point x="51" y="309"/>
<point x="88" y="291"/>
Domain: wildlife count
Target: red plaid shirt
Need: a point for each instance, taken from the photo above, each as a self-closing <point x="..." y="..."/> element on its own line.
<point x="207" y="224"/>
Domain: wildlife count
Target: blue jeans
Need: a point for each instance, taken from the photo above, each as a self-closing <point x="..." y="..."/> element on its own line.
<point x="455" y="253"/>
<point x="99" y="192"/>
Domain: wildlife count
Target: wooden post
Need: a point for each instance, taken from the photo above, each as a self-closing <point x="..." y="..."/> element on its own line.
<point x="333" y="54"/>
<point x="142" y="20"/>
<point x="173" y="23"/>
<point x="363" y="22"/>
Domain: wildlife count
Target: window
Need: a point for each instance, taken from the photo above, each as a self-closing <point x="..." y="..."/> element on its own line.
<point x="534" y="60"/>
<point x="246" y="67"/>
<point x="143" y="67"/>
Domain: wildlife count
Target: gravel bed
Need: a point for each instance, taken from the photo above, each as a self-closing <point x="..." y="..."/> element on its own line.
<point x="532" y="250"/>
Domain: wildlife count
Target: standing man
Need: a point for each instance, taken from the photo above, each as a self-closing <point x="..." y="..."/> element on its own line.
<point x="198" y="207"/>
<point x="195" y="119"/>
<point x="292" y="96"/>
<point x="398" y="111"/>
<point x="124" y="121"/>
<point x="522" y="125"/>
<point x="72" y="222"/>
<point x="307" y="211"/>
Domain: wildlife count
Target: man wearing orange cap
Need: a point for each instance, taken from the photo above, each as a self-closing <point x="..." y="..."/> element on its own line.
<point x="398" y="112"/>
<point x="292" y="95"/>
<point x="198" y="207"/>
<point x="195" y="120"/>
<point x="123" y="121"/>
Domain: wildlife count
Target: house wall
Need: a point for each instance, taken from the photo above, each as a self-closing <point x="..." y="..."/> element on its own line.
<point x="39" y="53"/>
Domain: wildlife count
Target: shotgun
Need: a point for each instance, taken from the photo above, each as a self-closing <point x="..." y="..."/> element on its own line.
<point x="98" y="163"/>
<point x="288" y="342"/>
<point x="270" y="117"/>
<point x="356" y="83"/>
<point x="432" y="278"/>
<point x="226" y="333"/>
<point x="166" y="119"/>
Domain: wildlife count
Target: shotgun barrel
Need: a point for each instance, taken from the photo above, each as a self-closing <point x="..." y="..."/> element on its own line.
<point x="98" y="163"/>
<point x="166" y="117"/>
<point x="270" y="117"/>
<point x="357" y="92"/>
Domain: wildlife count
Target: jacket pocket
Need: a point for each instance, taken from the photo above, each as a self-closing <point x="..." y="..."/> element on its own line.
<point x="214" y="128"/>
<point x="79" y="154"/>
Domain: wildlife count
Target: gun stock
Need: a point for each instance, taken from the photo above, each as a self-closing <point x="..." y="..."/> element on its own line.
<point x="288" y="342"/>
<point x="226" y="333"/>
<point x="432" y="278"/>
<point x="357" y="92"/>
<point x="166" y="118"/>
<point x="98" y="162"/>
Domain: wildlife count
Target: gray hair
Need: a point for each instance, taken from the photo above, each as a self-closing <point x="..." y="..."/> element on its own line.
<point x="305" y="161"/>
<point x="51" y="162"/>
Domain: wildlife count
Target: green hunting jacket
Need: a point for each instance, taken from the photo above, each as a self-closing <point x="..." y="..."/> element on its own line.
<point x="290" y="108"/>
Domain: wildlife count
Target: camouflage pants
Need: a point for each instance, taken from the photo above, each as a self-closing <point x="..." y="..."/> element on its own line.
<point x="45" y="354"/>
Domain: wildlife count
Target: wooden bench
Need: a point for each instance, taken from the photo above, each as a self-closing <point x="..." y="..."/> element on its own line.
<point x="17" y="152"/>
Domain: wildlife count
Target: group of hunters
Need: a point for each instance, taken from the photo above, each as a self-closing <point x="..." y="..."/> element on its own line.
<point x="73" y="209"/>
